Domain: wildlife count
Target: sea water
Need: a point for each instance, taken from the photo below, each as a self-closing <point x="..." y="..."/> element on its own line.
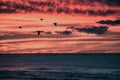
<point x="60" y="67"/>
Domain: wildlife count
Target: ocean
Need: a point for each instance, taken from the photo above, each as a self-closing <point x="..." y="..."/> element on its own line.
<point x="60" y="67"/>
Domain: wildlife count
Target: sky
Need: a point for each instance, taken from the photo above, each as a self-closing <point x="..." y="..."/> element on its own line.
<point x="77" y="13"/>
<point x="85" y="7"/>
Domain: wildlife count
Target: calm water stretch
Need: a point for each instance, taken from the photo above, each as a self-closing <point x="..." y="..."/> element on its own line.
<point x="60" y="67"/>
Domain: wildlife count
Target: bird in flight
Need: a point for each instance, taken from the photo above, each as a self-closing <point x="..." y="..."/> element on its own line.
<point x="20" y="27"/>
<point x="41" y="19"/>
<point x="55" y="24"/>
<point x="40" y="32"/>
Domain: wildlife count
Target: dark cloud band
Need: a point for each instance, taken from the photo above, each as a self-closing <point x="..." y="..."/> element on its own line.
<point x="61" y="6"/>
<point x="109" y="22"/>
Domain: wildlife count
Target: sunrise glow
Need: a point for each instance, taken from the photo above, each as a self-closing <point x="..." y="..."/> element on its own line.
<point x="20" y="20"/>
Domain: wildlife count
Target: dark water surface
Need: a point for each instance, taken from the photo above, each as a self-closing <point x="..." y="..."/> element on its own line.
<point x="60" y="67"/>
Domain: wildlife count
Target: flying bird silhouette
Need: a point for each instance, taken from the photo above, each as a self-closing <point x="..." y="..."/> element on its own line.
<point x="55" y="24"/>
<point x="41" y="19"/>
<point x="20" y="27"/>
<point x="39" y="32"/>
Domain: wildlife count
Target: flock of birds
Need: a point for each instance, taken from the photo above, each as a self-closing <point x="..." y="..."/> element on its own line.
<point x="92" y="29"/>
<point x="55" y="24"/>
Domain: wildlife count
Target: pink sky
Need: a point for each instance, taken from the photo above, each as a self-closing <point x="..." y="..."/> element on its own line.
<point x="77" y="13"/>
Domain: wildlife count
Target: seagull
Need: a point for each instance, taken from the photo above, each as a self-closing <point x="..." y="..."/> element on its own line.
<point x="55" y="24"/>
<point x="20" y="27"/>
<point x="39" y="32"/>
<point x="41" y="19"/>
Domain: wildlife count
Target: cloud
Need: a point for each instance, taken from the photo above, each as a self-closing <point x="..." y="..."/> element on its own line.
<point x="113" y="3"/>
<point x="93" y="29"/>
<point x="7" y="10"/>
<point x="109" y="22"/>
<point x="84" y="7"/>
<point x="77" y="24"/>
<point x="96" y="13"/>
